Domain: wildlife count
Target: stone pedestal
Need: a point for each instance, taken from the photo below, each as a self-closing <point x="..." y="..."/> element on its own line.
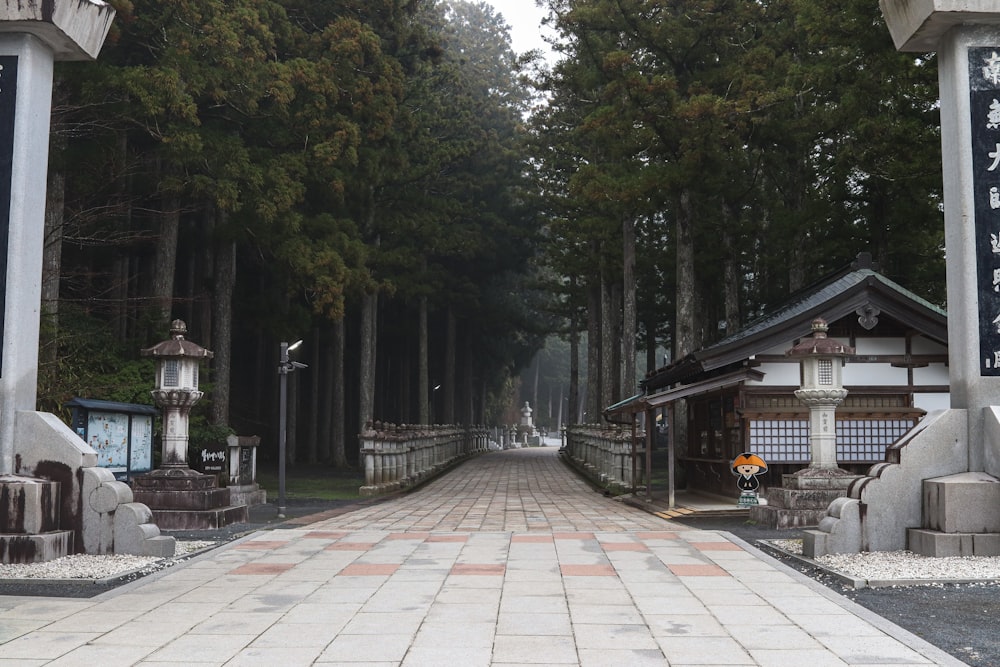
<point x="29" y="521"/>
<point x="183" y="499"/>
<point x="243" y="487"/>
<point x="959" y="517"/>
<point x="803" y="498"/>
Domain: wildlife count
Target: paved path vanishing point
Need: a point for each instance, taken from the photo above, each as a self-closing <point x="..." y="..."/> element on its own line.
<point x="509" y="559"/>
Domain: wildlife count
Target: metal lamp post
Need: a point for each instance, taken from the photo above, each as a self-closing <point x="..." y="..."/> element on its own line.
<point x="285" y="366"/>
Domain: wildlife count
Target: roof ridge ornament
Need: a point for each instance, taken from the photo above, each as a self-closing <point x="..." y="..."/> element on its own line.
<point x="868" y="316"/>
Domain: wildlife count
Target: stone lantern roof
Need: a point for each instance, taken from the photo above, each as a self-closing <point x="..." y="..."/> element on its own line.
<point x="176" y="346"/>
<point x="819" y="345"/>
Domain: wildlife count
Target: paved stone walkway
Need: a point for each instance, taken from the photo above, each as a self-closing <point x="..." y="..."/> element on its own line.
<point x="507" y="560"/>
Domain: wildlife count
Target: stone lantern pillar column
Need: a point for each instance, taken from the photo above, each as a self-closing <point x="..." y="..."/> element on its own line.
<point x="176" y="390"/>
<point x="822" y="391"/>
<point x="804" y="496"/>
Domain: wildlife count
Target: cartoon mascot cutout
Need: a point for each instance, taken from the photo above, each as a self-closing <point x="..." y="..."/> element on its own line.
<point x="746" y="467"/>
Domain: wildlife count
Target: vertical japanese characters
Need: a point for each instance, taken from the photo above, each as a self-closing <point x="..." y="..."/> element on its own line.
<point x="984" y="91"/>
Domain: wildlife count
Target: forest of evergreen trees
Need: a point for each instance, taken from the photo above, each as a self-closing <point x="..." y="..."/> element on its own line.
<point x="390" y="182"/>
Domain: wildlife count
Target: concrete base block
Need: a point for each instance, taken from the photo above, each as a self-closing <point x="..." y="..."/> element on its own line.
<point x="936" y="544"/>
<point x="962" y="503"/>
<point x="820" y="479"/>
<point x="28" y="505"/>
<point x="38" y="548"/>
<point x="783" y="518"/>
<point x="247" y="494"/>
<point x="200" y="519"/>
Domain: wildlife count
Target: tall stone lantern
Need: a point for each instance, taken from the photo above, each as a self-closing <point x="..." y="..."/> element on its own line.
<point x="803" y="496"/>
<point x="176" y="390"/>
<point x="822" y="390"/>
<point x="181" y="498"/>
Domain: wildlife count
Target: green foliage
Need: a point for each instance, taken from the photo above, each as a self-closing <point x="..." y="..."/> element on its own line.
<point x="90" y="363"/>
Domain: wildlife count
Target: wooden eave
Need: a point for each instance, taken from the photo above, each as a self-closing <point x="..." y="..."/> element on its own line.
<point x="838" y="299"/>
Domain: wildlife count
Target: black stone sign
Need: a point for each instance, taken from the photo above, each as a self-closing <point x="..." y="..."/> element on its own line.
<point x="984" y="91"/>
<point x="8" y="97"/>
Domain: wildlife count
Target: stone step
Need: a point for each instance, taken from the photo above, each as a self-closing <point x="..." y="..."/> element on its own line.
<point x="937" y="544"/>
<point x="962" y="503"/>
<point x="202" y="499"/>
<point x="36" y="548"/>
<point x="168" y="519"/>
<point x="796" y="499"/>
<point x="28" y="505"/>
<point x="781" y="518"/>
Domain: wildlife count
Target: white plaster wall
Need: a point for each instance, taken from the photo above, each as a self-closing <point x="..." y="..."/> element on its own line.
<point x="933" y="374"/>
<point x="778" y="374"/>
<point x="865" y="346"/>
<point x="778" y="349"/>
<point x="921" y="345"/>
<point x="932" y="402"/>
<point x="874" y="374"/>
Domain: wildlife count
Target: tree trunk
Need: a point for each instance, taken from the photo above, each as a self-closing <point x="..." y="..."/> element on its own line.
<point x="425" y="394"/>
<point x="312" y="439"/>
<point x="629" y="316"/>
<point x="55" y="204"/>
<point x="165" y="262"/>
<point x="573" y="410"/>
<point x="366" y="374"/>
<point x="338" y="407"/>
<point x="450" y="380"/>
<point x="730" y="272"/>
<point x="685" y="333"/>
<point x="608" y="328"/>
<point x="326" y="416"/>
<point x="292" y="434"/>
<point x="593" y="397"/>
<point x="222" y="328"/>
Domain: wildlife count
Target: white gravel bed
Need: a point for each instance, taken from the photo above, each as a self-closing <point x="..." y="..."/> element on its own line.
<point x="90" y="567"/>
<point x="902" y="565"/>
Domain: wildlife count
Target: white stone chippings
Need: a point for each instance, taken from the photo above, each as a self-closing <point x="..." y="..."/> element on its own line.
<point x="902" y="565"/>
<point x="88" y="566"/>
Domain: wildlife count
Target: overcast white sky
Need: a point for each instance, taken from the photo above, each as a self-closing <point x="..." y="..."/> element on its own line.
<point x="525" y="21"/>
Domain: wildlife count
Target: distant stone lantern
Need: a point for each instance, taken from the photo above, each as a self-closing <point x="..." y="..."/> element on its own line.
<point x="822" y="390"/>
<point x="176" y="390"/>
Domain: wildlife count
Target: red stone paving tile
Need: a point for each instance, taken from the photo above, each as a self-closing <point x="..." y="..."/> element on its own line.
<point x="368" y="569"/>
<point x="716" y="546"/>
<point x="698" y="571"/>
<point x="350" y="546"/>
<point x="448" y="538"/>
<point x="531" y="538"/>
<point x="263" y="568"/>
<point x="324" y="535"/>
<point x="569" y="570"/>
<point x="474" y="568"/>
<point x="407" y="536"/>
<point x="623" y="546"/>
<point x="573" y="536"/>
<point x="657" y="535"/>
<point x="262" y="544"/>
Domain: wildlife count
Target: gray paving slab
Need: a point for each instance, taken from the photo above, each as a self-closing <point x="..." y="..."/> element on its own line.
<point x="469" y="570"/>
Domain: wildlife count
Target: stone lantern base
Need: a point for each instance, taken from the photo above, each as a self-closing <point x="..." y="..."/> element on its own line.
<point x="803" y="498"/>
<point x="184" y="499"/>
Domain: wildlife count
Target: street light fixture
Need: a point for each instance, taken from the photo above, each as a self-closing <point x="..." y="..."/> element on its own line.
<point x="285" y="366"/>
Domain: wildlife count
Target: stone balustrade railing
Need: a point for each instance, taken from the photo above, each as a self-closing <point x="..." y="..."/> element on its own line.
<point x="604" y="455"/>
<point x="401" y="456"/>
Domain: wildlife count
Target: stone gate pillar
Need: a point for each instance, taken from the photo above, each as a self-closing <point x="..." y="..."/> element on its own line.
<point x="33" y="35"/>
<point x="966" y="36"/>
